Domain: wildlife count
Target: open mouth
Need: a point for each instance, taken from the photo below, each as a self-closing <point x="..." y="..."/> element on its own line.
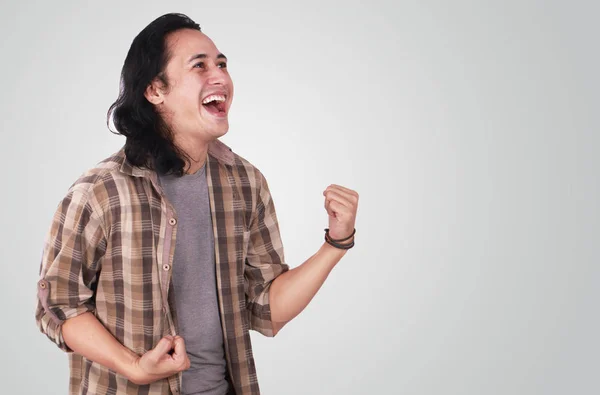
<point x="215" y="104"/>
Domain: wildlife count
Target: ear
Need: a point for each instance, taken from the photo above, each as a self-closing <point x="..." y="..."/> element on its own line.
<point x="154" y="93"/>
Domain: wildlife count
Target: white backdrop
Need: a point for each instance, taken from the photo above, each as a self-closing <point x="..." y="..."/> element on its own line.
<point x="469" y="130"/>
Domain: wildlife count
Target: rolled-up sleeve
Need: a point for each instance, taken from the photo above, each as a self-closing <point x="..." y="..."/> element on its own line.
<point x="264" y="259"/>
<point x="70" y="265"/>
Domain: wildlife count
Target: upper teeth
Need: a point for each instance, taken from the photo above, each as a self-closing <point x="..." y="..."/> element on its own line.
<point x="210" y="98"/>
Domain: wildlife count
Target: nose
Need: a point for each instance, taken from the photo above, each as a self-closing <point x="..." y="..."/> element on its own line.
<point x="216" y="76"/>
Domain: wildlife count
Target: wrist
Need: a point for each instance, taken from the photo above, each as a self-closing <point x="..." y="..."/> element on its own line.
<point x="342" y="243"/>
<point x="345" y="237"/>
<point x="329" y="249"/>
<point x="131" y="367"/>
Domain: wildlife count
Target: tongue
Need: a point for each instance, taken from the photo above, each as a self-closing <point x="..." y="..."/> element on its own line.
<point x="213" y="107"/>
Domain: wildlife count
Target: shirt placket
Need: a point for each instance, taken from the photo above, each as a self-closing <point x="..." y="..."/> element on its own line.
<point x="165" y="274"/>
<point x="213" y="196"/>
<point x="166" y="269"/>
<point x="175" y="380"/>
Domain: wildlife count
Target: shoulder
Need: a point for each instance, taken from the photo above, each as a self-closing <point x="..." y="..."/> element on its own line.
<point x="95" y="185"/>
<point x="248" y="170"/>
<point x="244" y="172"/>
<point x="253" y="180"/>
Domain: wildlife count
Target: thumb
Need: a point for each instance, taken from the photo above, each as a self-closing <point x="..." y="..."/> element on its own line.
<point x="164" y="346"/>
<point x="179" y="346"/>
<point x="328" y="208"/>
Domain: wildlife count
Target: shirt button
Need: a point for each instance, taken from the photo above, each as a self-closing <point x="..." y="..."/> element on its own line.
<point x="166" y="266"/>
<point x="172" y="221"/>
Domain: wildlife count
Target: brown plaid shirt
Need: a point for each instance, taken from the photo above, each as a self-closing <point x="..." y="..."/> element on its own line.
<point x="110" y="251"/>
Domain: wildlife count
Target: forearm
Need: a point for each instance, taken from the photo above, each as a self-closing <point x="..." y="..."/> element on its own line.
<point x="293" y="290"/>
<point x="86" y="336"/>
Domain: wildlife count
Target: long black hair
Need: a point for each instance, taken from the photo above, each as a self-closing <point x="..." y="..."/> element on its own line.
<point x="149" y="142"/>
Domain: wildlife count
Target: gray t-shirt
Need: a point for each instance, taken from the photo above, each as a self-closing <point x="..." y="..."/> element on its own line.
<point x="195" y="286"/>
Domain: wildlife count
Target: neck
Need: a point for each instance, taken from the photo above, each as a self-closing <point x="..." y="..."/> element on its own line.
<point x="196" y="150"/>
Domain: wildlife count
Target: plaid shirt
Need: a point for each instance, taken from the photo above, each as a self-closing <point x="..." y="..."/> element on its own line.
<point x="110" y="251"/>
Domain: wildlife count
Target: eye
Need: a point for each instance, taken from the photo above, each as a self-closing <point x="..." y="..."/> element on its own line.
<point x="199" y="65"/>
<point x="223" y="65"/>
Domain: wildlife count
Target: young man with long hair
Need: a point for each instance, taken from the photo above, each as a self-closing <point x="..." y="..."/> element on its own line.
<point x="161" y="258"/>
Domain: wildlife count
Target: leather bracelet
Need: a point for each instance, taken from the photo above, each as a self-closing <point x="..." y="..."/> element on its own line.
<point x="339" y="240"/>
<point x="336" y="244"/>
<point x="340" y="246"/>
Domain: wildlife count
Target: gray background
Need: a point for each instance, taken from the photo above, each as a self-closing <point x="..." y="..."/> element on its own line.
<point x="469" y="130"/>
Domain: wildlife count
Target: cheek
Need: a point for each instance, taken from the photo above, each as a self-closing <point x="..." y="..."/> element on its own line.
<point x="229" y="83"/>
<point x="191" y="87"/>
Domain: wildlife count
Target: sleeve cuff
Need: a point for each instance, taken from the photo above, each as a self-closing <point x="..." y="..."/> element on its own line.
<point x="48" y="321"/>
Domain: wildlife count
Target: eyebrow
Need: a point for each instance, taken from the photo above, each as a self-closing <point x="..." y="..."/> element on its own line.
<point x="204" y="56"/>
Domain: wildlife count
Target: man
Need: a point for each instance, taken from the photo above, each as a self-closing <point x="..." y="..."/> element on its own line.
<point x="161" y="258"/>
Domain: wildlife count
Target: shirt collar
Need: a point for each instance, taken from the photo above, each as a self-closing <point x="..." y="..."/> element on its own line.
<point x="216" y="149"/>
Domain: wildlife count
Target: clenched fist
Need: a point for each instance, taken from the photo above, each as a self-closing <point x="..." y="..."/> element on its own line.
<point x="341" y="205"/>
<point x="166" y="359"/>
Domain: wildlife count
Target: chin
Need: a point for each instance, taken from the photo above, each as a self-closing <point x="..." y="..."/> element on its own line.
<point x="220" y="131"/>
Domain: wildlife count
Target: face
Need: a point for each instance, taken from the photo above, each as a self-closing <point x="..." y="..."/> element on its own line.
<point x="196" y="103"/>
